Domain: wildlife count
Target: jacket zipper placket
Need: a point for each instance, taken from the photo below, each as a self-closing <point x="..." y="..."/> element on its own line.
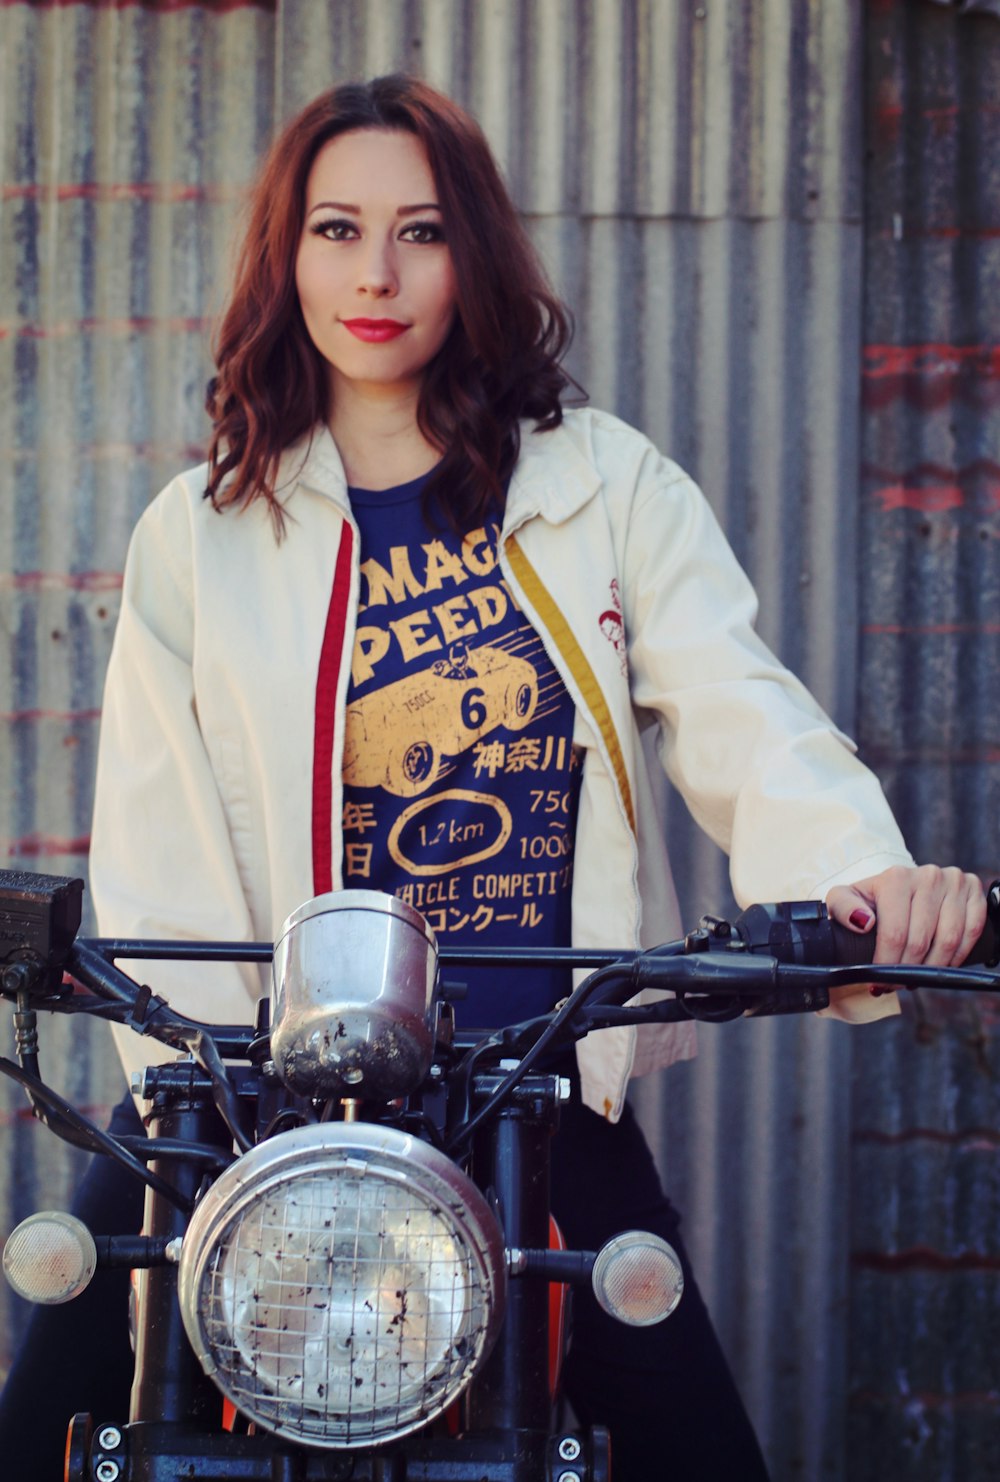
<point x="569" y="679"/>
<point x="349" y="531"/>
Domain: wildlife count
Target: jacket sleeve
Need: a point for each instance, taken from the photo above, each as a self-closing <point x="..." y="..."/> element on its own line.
<point x="161" y="863"/>
<point x="762" y="768"/>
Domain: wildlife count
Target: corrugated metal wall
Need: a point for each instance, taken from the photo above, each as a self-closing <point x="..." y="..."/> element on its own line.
<point x="925" y="1288"/>
<point x="693" y="175"/>
<point x="126" y="134"/>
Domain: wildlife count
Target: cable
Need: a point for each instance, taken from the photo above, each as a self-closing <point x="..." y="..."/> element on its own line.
<point x="96" y="1140"/>
<point x="616" y="972"/>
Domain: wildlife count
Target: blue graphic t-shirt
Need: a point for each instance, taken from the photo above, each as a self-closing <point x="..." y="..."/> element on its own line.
<point x="460" y="779"/>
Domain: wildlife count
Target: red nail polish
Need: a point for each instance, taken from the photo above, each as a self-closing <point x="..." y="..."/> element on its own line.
<point x="859" y="918"/>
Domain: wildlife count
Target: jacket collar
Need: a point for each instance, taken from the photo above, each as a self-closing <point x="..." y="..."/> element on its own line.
<point x="552" y="476"/>
<point x="313" y="462"/>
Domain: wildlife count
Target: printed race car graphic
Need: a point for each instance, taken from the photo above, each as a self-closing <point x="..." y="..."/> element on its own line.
<point x="399" y="737"/>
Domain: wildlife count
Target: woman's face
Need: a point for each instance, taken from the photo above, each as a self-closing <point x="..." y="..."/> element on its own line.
<point x="373" y="271"/>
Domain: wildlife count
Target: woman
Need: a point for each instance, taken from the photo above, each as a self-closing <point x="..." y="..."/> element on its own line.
<point x="403" y="632"/>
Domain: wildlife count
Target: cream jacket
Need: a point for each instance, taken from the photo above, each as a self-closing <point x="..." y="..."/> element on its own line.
<point x="218" y="791"/>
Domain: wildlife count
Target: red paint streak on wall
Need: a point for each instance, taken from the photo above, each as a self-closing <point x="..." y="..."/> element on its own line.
<point x="896" y="110"/>
<point x="946" y="756"/>
<point x="159" y="7"/>
<point x="881" y="361"/>
<point x="930" y="488"/>
<point x="115" y="452"/>
<point x="68" y="717"/>
<point x="887" y="117"/>
<point x="931" y="499"/>
<point x="930" y="375"/>
<point x="75" y="581"/>
<point x="33" y="845"/>
<point x="918" y="232"/>
<point x="172" y="192"/>
<point x="932" y="630"/>
<point x="978" y="1138"/>
<point x="924" y="1258"/>
<point x="69" y="328"/>
<point x="938" y="472"/>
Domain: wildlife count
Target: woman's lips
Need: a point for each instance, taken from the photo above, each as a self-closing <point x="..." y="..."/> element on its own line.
<point x="375" y="329"/>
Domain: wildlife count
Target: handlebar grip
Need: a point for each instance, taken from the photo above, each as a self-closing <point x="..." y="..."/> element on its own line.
<point x="802" y="932"/>
<point x="855" y="949"/>
<point x="851" y="948"/>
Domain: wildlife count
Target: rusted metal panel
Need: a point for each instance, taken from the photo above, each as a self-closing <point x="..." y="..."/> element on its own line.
<point x="926" y="1255"/>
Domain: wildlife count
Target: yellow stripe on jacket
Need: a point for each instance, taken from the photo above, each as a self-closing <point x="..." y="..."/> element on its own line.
<point x="578" y="665"/>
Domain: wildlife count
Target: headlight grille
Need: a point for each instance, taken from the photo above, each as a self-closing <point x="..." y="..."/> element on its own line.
<point x="344" y="1292"/>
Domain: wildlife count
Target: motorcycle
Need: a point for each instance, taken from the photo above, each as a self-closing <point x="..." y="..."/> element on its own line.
<point x="348" y="1268"/>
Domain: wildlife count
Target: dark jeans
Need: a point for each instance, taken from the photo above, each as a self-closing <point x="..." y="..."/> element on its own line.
<point x="665" y="1391"/>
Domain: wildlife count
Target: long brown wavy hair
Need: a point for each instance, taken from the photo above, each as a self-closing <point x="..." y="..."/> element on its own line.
<point x="500" y="362"/>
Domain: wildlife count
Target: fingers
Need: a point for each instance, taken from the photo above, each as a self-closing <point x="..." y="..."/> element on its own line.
<point x="852" y="907"/>
<point x="972" y="922"/>
<point x="906" y="921"/>
<point x="924" y="914"/>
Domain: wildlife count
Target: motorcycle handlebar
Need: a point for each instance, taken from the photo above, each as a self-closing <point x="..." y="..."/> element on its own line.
<point x="785" y="958"/>
<point x="42" y="915"/>
<point x="802" y="932"/>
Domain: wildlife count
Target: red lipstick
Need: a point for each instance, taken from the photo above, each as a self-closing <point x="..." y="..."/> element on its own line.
<point x="375" y="330"/>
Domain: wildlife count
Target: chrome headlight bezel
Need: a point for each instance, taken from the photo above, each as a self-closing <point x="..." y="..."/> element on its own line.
<point x="365" y="1377"/>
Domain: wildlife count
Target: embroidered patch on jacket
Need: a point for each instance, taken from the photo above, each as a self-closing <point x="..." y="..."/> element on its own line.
<point x="613" y="628"/>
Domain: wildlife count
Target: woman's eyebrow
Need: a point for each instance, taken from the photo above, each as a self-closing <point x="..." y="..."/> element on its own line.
<point x="356" y="210"/>
<point x="335" y="206"/>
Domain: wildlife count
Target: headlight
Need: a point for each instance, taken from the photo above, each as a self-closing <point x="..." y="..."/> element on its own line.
<point x="342" y="1283"/>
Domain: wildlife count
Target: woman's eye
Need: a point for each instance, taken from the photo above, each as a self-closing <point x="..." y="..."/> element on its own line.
<point x="335" y="229"/>
<point x="423" y="232"/>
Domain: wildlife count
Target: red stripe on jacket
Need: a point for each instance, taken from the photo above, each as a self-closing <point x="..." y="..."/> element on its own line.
<point x="326" y="717"/>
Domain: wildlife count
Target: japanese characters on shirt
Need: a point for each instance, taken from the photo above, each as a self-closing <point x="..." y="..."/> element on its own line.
<point x="460" y="778"/>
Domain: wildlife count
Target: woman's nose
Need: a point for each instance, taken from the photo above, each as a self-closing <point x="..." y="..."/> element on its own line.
<point x="378" y="271"/>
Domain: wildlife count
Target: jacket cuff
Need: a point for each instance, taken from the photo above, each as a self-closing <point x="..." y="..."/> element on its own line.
<point x="861" y="869"/>
<point x="855" y="1005"/>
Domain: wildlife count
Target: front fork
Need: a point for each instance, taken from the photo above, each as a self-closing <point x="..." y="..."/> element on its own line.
<point x="511" y="1164"/>
<point x="512" y="1396"/>
<point x="169" y="1385"/>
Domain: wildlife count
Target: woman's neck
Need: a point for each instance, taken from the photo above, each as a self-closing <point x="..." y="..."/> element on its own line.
<point x="377" y="436"/>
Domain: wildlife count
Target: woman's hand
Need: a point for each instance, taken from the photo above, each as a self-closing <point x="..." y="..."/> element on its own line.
<point x="921" y="914"/>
